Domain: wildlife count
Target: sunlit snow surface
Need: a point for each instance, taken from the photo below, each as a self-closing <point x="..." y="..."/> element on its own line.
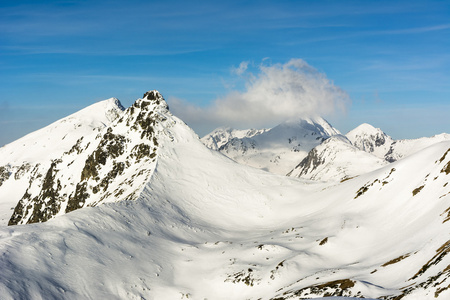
<point x="205" y="227"/>
<point x="277" y="150"/>
<point x="36" y="150"/>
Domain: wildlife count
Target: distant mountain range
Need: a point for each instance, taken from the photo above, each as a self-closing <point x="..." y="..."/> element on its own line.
<point x="313" y="149"/>
<point x="275" y="149"/>
<point x="130" y="204"/>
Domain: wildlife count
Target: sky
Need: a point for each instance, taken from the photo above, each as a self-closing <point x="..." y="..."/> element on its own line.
<point x="230" y="63"/>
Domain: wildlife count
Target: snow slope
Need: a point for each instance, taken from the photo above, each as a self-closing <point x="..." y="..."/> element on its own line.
<point x="277" y="149"/>
<point x="336" y="159"/>
<point x="206" y="227"/>
<point x="220" y="136"/>
<point x="373" y="140"/>
<point x="110" y="166"/>
<point x="61" y="135"/>
<point x="403" y="148"/>
<point x="32" y="155"/>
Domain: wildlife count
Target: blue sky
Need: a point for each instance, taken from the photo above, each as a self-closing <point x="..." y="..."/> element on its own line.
<point x="392" y="58"/>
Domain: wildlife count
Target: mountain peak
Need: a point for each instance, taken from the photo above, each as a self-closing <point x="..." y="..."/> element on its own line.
<point x="107" y="164"/>
<point x="114" y="102"/>
<point x="370" y="139"/>
<point x="274" y="149"/>
<point x="366" y="129"/>
<point x="152" y="96"/>
<point x="315" y="124"/>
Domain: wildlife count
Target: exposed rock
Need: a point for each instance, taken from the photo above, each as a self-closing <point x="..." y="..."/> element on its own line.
<point x="105" y="158"/>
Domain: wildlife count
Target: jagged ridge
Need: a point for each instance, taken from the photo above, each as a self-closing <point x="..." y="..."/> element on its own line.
<point x="113" y="165"/>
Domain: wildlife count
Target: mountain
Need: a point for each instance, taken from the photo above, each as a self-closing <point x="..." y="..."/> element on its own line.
<point x="220" y="136"/>
<point x="336" y="159"/>
<point x="373" y="140"/>
<point x="32" y="155"/>
<point x="370" y="139"/>
<point x="59" y="136"/>
<point x="403" y="148"/>
<point x="361" y="150"/>
<point x="276" y="149"/>
<point x="194" y="224"/>
<point x="110" y="165"/>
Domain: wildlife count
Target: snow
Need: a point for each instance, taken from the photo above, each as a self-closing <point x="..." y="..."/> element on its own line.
<point x="375" y="141"/>
<point x="370" y="139"/>
<point x="334" y="160"/>
<point x="54" y="139"/>
<point x="33" y="153"/>
<point x="220" y="136"/>
<point x="276" y="149"/>
<point x="404" y="148"/>
<point x="205" y="227"/>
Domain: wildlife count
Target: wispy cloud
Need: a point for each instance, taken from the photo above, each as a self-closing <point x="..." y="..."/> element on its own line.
<point x="368" y="33"/>
<point x="276" y="93"/>
<point x="243" y="66"/>
<point x="406" y="63"/>
<point x="413" y="30"/>
<point x="98" y="51"/>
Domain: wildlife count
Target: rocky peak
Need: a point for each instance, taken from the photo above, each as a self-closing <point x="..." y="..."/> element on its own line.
<point x="370" y="139"/>
<point x="152" y="95"/>
<point x="110" y="165"/>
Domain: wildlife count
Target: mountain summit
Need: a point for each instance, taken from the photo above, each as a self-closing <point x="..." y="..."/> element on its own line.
<point x="106" y="165"/>
<point x="274" y="149"/>
<point x="32" y="155"/>
<point x="373" y="140"/>
<point x="370" y="139"/>
<point x="336" y="159"/>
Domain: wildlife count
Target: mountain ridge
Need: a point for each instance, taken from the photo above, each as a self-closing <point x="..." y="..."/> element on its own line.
<point x="202" y="226"/>
<point x="274" y="149"/>
<point x="128" y="143"/>
<point x="335" y="165"/>
<point x="336" y="159"/>
<point x="33" y="154"/>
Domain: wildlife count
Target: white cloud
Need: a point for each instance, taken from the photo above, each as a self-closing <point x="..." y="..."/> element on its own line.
<point x="243" y="66"/>
<point x="276" y="93"/>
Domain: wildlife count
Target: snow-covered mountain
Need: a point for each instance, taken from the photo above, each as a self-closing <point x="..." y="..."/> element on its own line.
<point x="304" y="149"/>
<point x="362" y="150"/>
<point x="111" y="165"/>
<point x="58" y="137"/>
<point x="33" y="155"/>
<point x="336" y="159"/>
<point x="370" y="139"/>
<point x="276" y="150"/>
<point x="402" y="148"/>
<point x="192" y="223"/>
<point x="375" y="141"/>
<point x="220" y="136"/>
